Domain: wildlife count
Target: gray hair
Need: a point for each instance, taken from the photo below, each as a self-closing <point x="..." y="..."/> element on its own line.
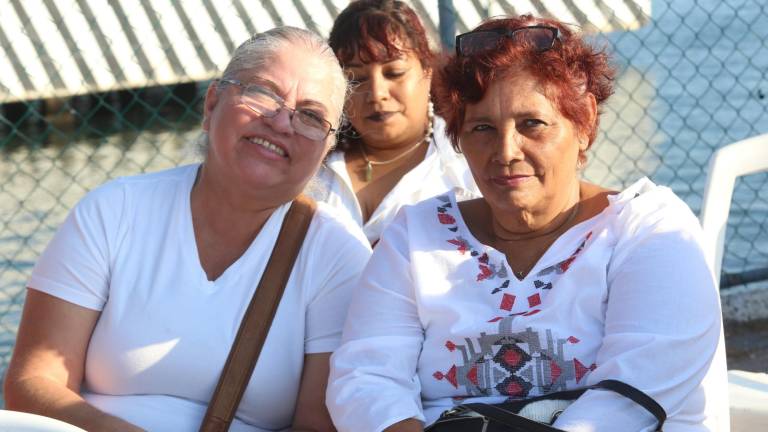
<point x="258" y="52"/>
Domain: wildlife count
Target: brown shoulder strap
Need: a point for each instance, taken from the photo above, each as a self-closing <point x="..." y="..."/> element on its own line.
<point x="258" y="318"/>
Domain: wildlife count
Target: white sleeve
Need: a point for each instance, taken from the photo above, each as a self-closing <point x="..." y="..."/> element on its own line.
<point x="339" y="255"/>
<point x="662" y="324"/>
<point x="373" y="382"/>
<point x="75" y="266"/>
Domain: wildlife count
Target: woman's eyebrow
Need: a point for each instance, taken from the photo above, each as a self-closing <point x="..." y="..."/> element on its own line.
<point x="264" y="83"/>
<point x="311" y="103"/>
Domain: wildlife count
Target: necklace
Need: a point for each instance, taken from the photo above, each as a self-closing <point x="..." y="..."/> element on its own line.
<point x="369" y="163"/>
<point x="531" y="236"/>
<point x="519" y="273"/>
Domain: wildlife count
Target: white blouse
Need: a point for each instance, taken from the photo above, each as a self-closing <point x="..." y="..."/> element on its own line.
<point x="438" y="319"/>
<point x="441" y="170"/>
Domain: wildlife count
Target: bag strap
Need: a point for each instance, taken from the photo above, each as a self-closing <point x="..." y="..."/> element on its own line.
<point x="637" y="397"/>
<point x="517" y="422"/>
<point x="258" y="318"/>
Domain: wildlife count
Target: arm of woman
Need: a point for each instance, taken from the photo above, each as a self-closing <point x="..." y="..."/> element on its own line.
<point x="311" y="414"/>
<point x="661" y="330"/>
<point x="373" y="384"/>
<point x="46" y="370"/>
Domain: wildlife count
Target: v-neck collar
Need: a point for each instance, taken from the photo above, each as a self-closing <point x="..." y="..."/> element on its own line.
<point x="262" y="244"/>
<point x="496" y="265"/>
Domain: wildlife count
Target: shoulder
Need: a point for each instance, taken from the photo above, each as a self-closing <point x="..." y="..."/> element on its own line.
<point x="143" y="183"/>
<point x="645" y="205"/>
<point x="332" y="227"/>
<point x="426" y="220"/>
<point x="651" y="222"/>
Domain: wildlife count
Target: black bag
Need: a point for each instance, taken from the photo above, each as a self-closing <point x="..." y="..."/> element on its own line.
<point x="522" y="416"/>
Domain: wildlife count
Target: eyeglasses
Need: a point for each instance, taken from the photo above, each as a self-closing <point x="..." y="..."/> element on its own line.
<point x="475" y="42"/>
<point x="265" y="102"/>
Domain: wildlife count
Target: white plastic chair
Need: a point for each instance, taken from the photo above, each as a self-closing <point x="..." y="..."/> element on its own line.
<point x="749" y="156"/>
<point x="24" y="422"/>
<point x="748" y="391"/>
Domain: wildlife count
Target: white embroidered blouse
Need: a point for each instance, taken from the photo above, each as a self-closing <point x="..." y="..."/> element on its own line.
<point x="441" y="170"/>
<point x="438" y="319"/>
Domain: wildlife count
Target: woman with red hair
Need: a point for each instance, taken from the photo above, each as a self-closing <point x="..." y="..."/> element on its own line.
<point x="545" y="283"/>
<point x="392" y="150"/>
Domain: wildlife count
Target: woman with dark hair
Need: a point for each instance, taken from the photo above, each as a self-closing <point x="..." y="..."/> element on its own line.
<point x="392" y="150"/>
<point x="546" y="282"/>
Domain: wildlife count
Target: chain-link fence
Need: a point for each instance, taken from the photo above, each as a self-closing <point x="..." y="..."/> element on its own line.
<point x="693" y="77"/>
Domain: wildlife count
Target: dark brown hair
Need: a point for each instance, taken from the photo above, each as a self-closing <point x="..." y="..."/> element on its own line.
<point x="378" y="31"/>
<point x="570" y="69"/>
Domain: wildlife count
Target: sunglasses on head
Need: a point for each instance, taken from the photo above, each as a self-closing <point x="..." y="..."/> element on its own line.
<point x="475" y="42"/>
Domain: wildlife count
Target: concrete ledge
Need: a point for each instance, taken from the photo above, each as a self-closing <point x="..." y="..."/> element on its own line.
<point x="748" y="393"/>
<point x="745" y="303"/>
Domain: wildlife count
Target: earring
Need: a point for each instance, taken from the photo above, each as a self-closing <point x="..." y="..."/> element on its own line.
<point x="430" y="118"/>
<point x="349" y="131"/>
<point x="580" y="162"/>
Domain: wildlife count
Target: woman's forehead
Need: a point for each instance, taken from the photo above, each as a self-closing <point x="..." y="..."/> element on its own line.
<point x="296" y="76"/>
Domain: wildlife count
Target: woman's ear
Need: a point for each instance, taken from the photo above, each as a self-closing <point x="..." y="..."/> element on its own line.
<point x="211" y="99"/>
<point x="592" y="113"/>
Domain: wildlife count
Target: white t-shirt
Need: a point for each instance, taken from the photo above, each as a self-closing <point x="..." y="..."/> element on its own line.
<point x="438" y="319"/>
<point x="128" y="250"/>
<point x="441" y="170"/>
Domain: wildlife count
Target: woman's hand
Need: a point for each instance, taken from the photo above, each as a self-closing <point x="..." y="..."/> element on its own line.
<point x="46" y="370"/>
<point x="409" y="425"/>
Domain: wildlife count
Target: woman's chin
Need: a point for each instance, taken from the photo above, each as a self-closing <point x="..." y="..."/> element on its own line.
<point x="509" y="199"/>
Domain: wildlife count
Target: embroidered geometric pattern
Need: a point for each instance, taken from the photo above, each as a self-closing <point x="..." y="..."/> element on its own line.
<point x="514" y="364"/>
<point x="519" y="364"/>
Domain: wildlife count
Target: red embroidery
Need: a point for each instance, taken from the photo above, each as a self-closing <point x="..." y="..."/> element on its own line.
<point x="573" y="339"/>
<point x="450" y="345"/>
<point x="472" y="375"/>
<point x="446" y="219"/>
<point x="507" y="301"/>
<point x="566" y="264"/>
<point x="450" y="376"/>
<point x="581" y="370"/>
<point x="555" y="370"/>
<point x="485" y="273"/>
<point x="534" y="300"/>
<point x="461" y="245"/>
<point x="512" y="357"/>
<point x="514" y="389"/>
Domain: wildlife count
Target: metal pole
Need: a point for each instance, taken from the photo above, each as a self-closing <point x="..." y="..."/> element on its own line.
<point x="447" y="18"/>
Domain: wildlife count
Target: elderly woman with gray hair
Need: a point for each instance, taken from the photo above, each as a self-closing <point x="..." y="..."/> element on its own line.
<point x="132" y="308"/>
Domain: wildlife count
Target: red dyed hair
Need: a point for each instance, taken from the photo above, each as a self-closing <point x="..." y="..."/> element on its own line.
<point x="379" y="31"/>
<point x="568" y="71"/>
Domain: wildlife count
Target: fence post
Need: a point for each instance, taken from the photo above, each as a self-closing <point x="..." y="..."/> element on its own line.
<point x="447" y="18"/>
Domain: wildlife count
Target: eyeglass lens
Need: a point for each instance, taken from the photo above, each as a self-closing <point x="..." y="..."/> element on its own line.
<point x="541" y="38"/>
<point x="305" y="123"/>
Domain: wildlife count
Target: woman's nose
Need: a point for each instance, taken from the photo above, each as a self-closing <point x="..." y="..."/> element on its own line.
<point x="379" y="89"/>
<point x="509" y="147"/>
<point x="282" y="121"/>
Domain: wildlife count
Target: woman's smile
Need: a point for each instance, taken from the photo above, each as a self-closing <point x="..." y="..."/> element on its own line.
<point x="269" y="148"/>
